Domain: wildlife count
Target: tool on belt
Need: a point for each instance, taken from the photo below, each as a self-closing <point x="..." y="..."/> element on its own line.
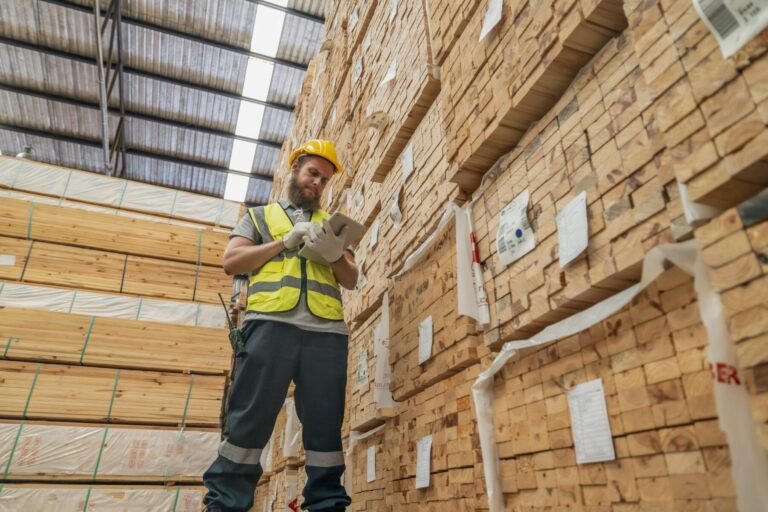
<point x="237" y="341"/>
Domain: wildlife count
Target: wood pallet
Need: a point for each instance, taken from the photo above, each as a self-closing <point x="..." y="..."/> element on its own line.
<point x="93" y="269"/>
<point x="59" y="392"/>
<point x="429" y="290"/>
<point x="651" y="357"/>
<point x="734" y="247"/>
<point x="95" y="230"/>
<point x="45" y="336"/>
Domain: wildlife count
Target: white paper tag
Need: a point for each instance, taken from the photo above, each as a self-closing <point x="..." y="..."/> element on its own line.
<point x="407" y="158"/>
<point x="353" y="19"/>
<point x="348" y="199"/>
<point x="382" y="394"/>
<point x="357" y="71"/>
<point x="333" y="114"/>
<point x="7" y="260"/>
<point x="492" y="17"/>
<point x="589" y="423"/>
<point x="370" y="475"/>
<point x="423" y="461"/>
<point x="572" y="229"/>
<point x="359" y="199"/>
<point x="392" y="10"/>
<point x="394" y="210"/>
<point x="361" y="279"/>
<point x="362" y="369"/>
<point x="733" y="22"/>
<point x="515" y="237"/>
<point x="425" y="339"/>
<point x="391" y="73"/>
<point x="374" y="234"/>
<point x="367" y="42"/>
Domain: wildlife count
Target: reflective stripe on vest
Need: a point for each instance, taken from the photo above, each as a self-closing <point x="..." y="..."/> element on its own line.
<point x="276" y="286"/>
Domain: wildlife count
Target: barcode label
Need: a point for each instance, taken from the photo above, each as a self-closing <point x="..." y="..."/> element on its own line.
<point x="733" y="22"/>
<point x="720" y="17"/>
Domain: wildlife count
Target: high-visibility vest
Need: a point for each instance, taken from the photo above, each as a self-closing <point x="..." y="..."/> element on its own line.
<point x="277" y="285"/>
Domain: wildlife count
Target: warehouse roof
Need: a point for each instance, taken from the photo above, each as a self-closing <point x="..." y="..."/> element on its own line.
<point x="207" y="93"/>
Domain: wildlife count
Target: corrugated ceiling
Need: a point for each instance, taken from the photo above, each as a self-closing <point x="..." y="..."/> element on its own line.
<point x="184" y="73"/>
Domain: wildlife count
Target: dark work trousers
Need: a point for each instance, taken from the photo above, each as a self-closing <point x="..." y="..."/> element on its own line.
<point x="276" y="353"/>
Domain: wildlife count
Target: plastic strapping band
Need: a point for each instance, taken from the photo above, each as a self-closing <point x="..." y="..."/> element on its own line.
<point x="8" y="346"/>
<point x="26" y="262"/>
<point x="197" y="266"/>
<point x="72" y="302"/>
<point x="21" y="427"/>
<point x="167" y="472"/>
<point x="176" y="499"/>
<point x="29" y="221"/>
<point x="103" y="440"/>
<point x="87" y="339"/>
<point x="197" y="314"/>
<point x="122" y="196"/>
<point x="173" y="204"/>
<point x="66" y="186"/>
<point x="2" y="287"/>
<point x="138" y="311"/>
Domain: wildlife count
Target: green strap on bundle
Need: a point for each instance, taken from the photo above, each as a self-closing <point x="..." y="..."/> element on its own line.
<point x="87" y="339"/>
<point x="21" y="427"/>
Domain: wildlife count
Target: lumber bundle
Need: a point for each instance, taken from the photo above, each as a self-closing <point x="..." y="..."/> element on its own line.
<point x="372" y="280"/>
<point x="73" y="498"/>
<point x="651" y="357"/>
<point x="443" y="411"/>
<point x="92" y="188"/>
<point x="425" y="325"/>
<point x="734" y="247"/>
<point x="282" y="491"/>
<point x="400" y="84"/>
<point x="66" y="452"/>
<point x="95" y="269"/>
<point x="45" y="336"/>
<point x="715" y="110"/>
<point x="446" y="22"/>
<point x="95" y="230"/>
<point x="498" y="87"/>
<point x="363" y="412"/>
<point x="62" y="392"/>
<point x="368" y="473"/>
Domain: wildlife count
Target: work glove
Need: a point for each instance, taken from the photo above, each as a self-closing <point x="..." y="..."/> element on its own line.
<point x="295" y="236"/>
<point x="326" y="243"/>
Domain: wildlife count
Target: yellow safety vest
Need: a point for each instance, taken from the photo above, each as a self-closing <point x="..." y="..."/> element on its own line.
<point x="277" y="285"/>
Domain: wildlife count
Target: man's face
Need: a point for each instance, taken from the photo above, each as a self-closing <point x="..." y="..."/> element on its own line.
<point x="308" y="180"/>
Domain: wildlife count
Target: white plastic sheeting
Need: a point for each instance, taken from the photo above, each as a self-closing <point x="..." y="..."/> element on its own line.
<point x="58" y="450"/>
<point x="114" y="306"/>
<point x="100" y="499"/>
<point x="60" y="182"/>
<point x="750" y="463"/>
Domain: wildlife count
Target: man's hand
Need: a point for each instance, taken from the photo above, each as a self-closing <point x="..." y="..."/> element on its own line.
<point x="326" y="243"/>
<point x="294" y="237"/>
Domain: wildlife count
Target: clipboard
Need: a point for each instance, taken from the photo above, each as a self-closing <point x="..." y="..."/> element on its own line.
<point x="355" y="233"/>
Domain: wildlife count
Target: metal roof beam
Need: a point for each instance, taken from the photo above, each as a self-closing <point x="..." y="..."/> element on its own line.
<point x="186" y="35"/>
<point x="288" y="10"/>
<point x="137" y="115"/>
<point x="144" y="74"/>
<point x="128" y="151"/>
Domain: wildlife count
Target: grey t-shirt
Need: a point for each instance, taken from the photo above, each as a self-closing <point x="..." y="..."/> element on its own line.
<point x="300" y="316"/>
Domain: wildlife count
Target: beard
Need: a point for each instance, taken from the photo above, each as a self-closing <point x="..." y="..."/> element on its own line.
<point x="297" y="196"/>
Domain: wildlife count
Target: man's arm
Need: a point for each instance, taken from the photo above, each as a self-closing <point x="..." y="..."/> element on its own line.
<point x="242" y="256"/>
<point x="345" y="270"/>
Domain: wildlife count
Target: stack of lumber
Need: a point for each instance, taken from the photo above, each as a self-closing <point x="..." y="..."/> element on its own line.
<point x="651" y="357"/>
<point x="281" y="491"/>
<point x="369" y="473"/>
<point x="630" y="105"/>
<point x="734" y="247"/>
<point x="287" y="446"/>
<point x="103" y="382"/>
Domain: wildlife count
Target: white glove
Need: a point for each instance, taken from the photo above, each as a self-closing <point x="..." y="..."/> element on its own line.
<point x="326" y="243"/>
<point x="294" y="237"/>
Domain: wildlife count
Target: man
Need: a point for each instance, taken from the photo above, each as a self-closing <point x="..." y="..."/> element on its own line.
<point x="294" y="330"/>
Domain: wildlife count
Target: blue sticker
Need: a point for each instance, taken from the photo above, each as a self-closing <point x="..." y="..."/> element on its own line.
<point x="519" y="233"/>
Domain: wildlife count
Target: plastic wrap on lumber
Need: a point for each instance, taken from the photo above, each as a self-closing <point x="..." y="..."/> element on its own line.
<point x="69" y="453"/>
<point x="101" y="498"/>
<point x="59" y="392"/>
<point x="97" y="341"/>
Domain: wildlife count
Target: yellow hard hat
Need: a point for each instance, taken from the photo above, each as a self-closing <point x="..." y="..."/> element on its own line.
<point x="317" y="147"/>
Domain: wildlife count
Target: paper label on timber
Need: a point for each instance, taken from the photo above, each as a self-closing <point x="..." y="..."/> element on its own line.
<point x="362" y="369"/>
<point x="359" y="199"/>
<point x="423" y="461"/>
<point x="407" y="158"/>
<point x="353" y="19"/>
<point x="515" y="237"/>
<point x="589" y="423"/>
<point x="367" y="41"/>
<point x="370" y="474"/>
<point x="374" y="234"/>
<point x="425" y="339"/>
<point x="733" y="22"/>
<point x="492" y="17"/>
<point x="7" y="260"/>
<point x="394" y="210"/>
<point x="330" y="195"/>
<point x="392" y="10"/>
<point x="572" y="229"/>
<point x="391" y="72"/>
<point x="361" y="279"/>
<point x="357" y="70"/>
